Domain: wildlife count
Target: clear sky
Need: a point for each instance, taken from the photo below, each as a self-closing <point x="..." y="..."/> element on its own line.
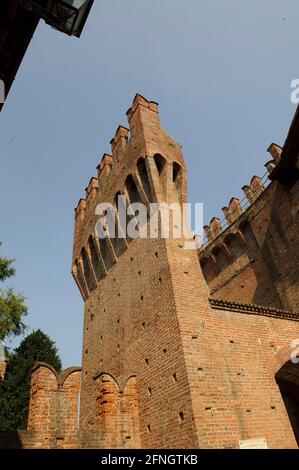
<point x="221" y="71"/>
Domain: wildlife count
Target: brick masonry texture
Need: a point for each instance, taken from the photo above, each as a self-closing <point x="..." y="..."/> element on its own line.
<point x="181" y="349"/>
<point x="256" y="259"/>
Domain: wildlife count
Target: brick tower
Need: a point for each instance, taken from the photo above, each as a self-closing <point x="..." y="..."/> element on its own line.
<point x="181" y="348"/>
<point x="163" y="364"/>
<point x="144" y="299"/>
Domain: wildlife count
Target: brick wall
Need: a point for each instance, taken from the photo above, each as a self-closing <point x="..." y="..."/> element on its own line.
<point x="163" y="365"/>
<point x="255" y="259"/>
<point x="54" y="402"/>
<point x="237" y="355"/>
<point x="147" y="314"/>
<point x="132" y="311"/>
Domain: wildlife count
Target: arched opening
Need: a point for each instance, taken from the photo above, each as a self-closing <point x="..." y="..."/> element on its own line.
<point x="245" y="229"/>
<point x="141" y="167"/>
<point x="121" y="205"/>
<point x="137" y="217"/>
<point x="287" y="379"/>
<point x="118" y="241"/>
<point x="176" y="172"/>
<point x="132" y="190"/>
<point x="160" y="163"/>
<point x="177" y="179"/>
<point x="80" y="279"/>
<point x="87" y="271"/>
<point x="209" y="269"/>
<point x="221" y="257"/>
<point x="96" y="261"/>
<point x="162" y="171"/>
<point x="106" y="253"/>
<point x="233" y="245"/>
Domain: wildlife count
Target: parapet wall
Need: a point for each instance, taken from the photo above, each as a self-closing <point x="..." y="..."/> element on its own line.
<point x="164" y="367"/>
<point x="252" y="256"/>
<point x="146" y="165"/>
<point x="54" y="400"/>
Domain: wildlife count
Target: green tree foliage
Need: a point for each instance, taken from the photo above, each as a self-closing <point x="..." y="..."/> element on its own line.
<point x="15" y="389"/>
<point x="12" y="306"/>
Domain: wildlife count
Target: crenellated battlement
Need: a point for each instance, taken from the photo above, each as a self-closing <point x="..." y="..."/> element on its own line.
<point x="120" y="140"/>
<point x="54" y="399"/>
<point x="239" y="254"/>
<point x="237" y="207"/>
<point x="275" y="151"/>
<point x="142" y="116"/>
<point x="173" y="355"/>
<point x="146" y="165"/>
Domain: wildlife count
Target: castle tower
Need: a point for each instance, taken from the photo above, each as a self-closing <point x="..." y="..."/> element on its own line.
<point x="145" y="299"/>
<point x="164" y="365"/>
<point x="175" y="356"/>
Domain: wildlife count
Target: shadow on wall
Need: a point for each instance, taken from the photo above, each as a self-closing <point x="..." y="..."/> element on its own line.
<point x="10" y="440"/>
<point x="280" y="244"/>
<point x="256" y="259"/>
<point x="287" y="379"/>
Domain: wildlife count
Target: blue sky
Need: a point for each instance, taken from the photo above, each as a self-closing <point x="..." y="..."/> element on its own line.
<point x="221" y="71"/>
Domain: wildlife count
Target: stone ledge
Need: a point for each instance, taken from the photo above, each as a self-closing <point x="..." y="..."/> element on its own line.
<point x="253" y="309"/>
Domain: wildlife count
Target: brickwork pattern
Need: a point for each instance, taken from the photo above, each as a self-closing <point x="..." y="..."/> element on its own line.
<point x="255" y="260"/>
<point x="54" y="401"/>
<point x="163" y="365"/>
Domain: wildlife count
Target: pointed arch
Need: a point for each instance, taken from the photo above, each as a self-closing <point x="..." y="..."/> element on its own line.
<point x="177" y="179"/>
<point x="142" y="171"/>
<point x="108" y="408"/>
<point x="95" y="259"/>
<point x="130" y="415"/>
<point x="132" y="190"/>
<point x="119" y="241"/>
<point x="87" y="271"/>
<point x="161" y="165"/>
